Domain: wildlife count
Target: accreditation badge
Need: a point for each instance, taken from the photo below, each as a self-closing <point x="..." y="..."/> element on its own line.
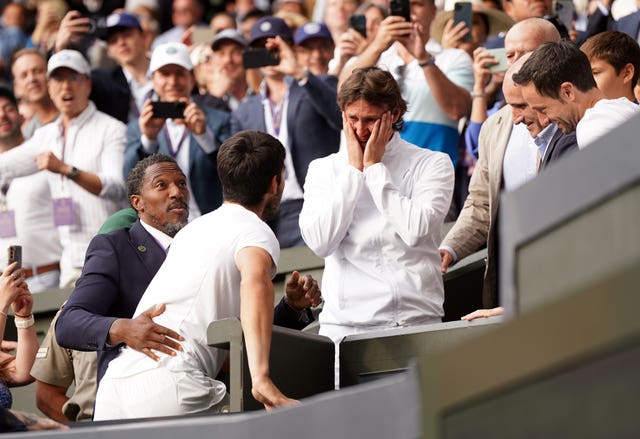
<point x="63" y="212"/>
<point x="7" y="224"/>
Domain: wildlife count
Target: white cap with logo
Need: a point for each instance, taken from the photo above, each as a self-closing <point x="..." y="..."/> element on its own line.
<point x="71" y="59"/>
<point x="170" y="53"/>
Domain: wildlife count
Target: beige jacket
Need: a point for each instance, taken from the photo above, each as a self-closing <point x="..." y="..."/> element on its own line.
<point x="476" y="224"/>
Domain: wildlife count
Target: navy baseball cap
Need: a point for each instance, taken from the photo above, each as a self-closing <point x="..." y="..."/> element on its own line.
<point x="270" y="27"/>
<point x="312" y="30"/>
<point x="121" y="20"/>
<point x="228" y="35"/>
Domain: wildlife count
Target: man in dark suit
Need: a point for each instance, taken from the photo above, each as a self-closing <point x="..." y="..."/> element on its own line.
<point x="120" y="91"/>
<point x="120" y="265"/>
<point x="192" y="135"/>
<point x="302" y="113"/>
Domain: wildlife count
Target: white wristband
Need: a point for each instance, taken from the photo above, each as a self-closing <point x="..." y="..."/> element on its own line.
<point x="24" y="323"/>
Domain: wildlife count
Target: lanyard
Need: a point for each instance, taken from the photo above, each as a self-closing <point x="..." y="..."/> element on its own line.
<point x="4" y="189"/>
<point x="63" y="139"/>
<point x="174" y="152"/>
<point x="276" y="114"/>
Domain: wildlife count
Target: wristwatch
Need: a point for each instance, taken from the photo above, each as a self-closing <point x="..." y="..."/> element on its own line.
<point x="73" y="174"/>
<point x="429" y="62"/>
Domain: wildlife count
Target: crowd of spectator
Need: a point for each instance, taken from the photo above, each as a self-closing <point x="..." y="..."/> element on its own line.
<point x="89" y="90"/>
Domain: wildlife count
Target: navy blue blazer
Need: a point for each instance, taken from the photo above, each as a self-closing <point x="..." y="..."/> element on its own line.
<point x="314" y="121"/>
<point x="560" y="145"/>
<point x="118" y="268"/>
<point x="203" y="168"/>
<point x="111" y="93"/>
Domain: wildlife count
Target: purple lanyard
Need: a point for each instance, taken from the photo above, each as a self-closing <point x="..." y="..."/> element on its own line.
<point x="276" y="115"/>
<point x="174" y="153"/>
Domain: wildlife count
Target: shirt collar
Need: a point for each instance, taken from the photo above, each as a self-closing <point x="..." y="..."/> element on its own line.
<point x="161" y="238"/>
<point x="543" y="138"/>
<point x="129" y="77"/>
<point x="288" y="80"/>
<point x="81" y="118"/>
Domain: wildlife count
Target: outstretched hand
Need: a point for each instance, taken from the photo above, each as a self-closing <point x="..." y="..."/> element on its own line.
<point x="143" y="335"/>
<point x="302" y="292"/>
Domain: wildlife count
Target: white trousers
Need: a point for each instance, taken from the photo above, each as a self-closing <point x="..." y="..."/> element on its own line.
<point x="157" y="392"/>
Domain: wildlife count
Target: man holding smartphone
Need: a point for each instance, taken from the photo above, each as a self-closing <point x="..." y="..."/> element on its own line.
<point x="435" y="82"/>
<point x="192" y="136"/>
<point x="297" y="107"/>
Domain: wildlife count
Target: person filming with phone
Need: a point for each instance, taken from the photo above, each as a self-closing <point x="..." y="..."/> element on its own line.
<point x="172" y="123"/>
<point x="294" y="105"/>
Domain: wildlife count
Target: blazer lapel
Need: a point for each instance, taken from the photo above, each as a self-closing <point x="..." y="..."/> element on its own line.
<point x="146" y="247"/>
<point x="504" y="127"/>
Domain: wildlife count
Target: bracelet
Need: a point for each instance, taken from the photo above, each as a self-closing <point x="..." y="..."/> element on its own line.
<point x="24" y="324"/>
<point x="2" y="313"/>
<point x="430" y="62"/>
<point x="28" y="316"/>
<point x="478" y="95"/>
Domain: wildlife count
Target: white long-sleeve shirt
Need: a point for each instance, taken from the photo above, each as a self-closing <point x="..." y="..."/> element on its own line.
<point x="93" y="142"/>
<point x="379" y="231"/>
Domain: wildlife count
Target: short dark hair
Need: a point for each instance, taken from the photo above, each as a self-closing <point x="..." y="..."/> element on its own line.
<point x="8" y="94"/>
<point x="615" y="48"/>
<point x="375" y="86"/>
<point x="136" y="175"/>
<point x="552" y="64"/>
<point x="247" y="162"/>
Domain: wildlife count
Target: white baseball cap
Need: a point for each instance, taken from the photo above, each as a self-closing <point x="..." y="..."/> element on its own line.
<point x="71" y="59"/>
<point x="170" y="53"/>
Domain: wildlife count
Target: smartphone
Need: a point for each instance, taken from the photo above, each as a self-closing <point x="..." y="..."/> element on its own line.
<point x="168" y="110"/>
<point x="260" y="57"/>
<point x="203" y="35"/>
<point x="400" y="8"/>
<point x="565" y="11"/>
<point x="358" y="22"/>
<point x="500" y="55"/>
<point x="14" y="254"/>
<point x="462" y="13"/>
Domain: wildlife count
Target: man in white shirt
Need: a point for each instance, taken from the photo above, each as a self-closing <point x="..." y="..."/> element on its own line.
<point x="83" y="151"/>
<point x="25" y="216"/>
<point x="374" y="211"/>
<point x="558" y="83"/>
<point x="220" y="265"/>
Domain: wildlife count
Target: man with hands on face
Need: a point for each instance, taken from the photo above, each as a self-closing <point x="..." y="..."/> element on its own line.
<point x="192" y="137"/>
<point x="374" y="211"/>
<point x="435" y="82"/>
<point x="299" y="109"/>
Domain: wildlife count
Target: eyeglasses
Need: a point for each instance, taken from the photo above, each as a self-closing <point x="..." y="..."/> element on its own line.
<point x="70" y="77"/>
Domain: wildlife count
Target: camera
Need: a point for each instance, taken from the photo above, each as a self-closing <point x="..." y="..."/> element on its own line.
<point x="259" y="57"/>
<point x="168" y="110"/>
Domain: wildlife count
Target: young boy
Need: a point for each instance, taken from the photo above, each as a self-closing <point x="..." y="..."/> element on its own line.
<point x="615" y="63"/>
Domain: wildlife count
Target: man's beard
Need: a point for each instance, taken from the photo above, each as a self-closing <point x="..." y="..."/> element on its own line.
<point x="272" y="208"/>
<point x="172" y="228"/>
